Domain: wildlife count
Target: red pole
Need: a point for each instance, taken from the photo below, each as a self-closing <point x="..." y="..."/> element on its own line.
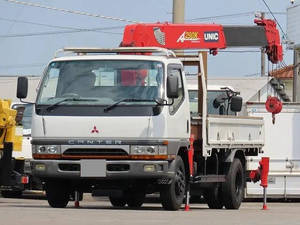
<point x="191" y="170"/>
<point x="264" y="164"/>
<point x="76" y="203"/>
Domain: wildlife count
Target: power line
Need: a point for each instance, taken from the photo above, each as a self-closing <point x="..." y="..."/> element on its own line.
<point x="74" y="30"/>
<point x="10" y="27"/>
<point x="230" y="15"/>
<point x="52" y="26"/>
<point x="34" y="23"/>
<point x="71" y="11"/>
<point x="275" y="18"/>
<point x="60" y="32"/>
<point x="221" y="16"/>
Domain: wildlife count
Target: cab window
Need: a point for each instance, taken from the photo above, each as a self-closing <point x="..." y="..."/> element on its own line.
<point x="178" y="101"/>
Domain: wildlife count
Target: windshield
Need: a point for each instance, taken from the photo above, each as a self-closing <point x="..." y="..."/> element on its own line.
<point x="101" y="82"/>
<point x="211" y="96"/>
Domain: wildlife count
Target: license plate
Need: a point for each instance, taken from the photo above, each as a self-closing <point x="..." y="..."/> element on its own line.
<point x="92" y="168"/>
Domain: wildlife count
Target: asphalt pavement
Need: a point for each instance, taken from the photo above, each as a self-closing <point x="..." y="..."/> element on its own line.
<point x="99" y="211"/>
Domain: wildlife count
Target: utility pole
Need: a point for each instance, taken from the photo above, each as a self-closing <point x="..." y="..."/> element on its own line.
<point x="263" y="56"/>
<point x="178" y="16"/>
<point x="178" y="11"/>
<point x="296" y="75"/>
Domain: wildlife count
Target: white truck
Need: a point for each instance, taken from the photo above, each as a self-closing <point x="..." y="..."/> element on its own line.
<point x="118" y="121"/>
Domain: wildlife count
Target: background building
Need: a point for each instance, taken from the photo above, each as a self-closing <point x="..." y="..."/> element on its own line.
<point x="8" y="87"/>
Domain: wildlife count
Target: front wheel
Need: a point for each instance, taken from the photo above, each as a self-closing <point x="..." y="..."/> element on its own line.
<point x="135" y="199"/>
<point x="234" y="187"/>
<point x="58" y="194"/>
<point x="172" y="195"/>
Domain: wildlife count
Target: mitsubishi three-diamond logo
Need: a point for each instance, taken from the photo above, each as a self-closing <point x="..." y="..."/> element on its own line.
<point x="95" y="130"/>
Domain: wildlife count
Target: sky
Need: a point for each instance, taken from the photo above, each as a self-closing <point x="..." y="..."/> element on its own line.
<point x="29" y="36"/>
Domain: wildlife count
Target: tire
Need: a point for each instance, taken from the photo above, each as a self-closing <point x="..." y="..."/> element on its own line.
<point x="135" y="199"/>
<point x="58" y="194"/>
<point x="11" y="194"/>
<point x="172" y="195"/>
<point x="213" y="197"/>
<point x="234" y="187"/>
<point x="117" y="201"/>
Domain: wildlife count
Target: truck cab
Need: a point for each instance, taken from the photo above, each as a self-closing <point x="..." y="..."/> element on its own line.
<point x="213" y="92"/>
<point x="106" y="122"/>
<point x="117" y="121"/>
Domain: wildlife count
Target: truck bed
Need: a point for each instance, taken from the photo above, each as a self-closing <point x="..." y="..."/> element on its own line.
<point x="224" y="131"/>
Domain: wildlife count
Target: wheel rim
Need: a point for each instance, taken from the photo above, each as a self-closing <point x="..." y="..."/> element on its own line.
<point x="179" y="183"/>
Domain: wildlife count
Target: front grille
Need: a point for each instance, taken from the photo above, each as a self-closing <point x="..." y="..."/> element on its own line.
<point x="95" y="152"/>
<point x="69" y="167"/>
<point x="117" y="167"/>
<point x="164" y="181"/>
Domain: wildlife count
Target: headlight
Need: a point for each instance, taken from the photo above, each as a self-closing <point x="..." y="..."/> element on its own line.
<point x="48" y="149"/>
<point x="41" y="149"/>
<point x="148" y="150"/>
<point x="143" y="150"/>
<point x="53" y="149"/>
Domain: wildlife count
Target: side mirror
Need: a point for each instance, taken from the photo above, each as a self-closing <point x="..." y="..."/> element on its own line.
<point x="219" y="100"/>
<point x="236" y="104"/>
<point x="172" y="86"/>
<point x="22" y="87"/>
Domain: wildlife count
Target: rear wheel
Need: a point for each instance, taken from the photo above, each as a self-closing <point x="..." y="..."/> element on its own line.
<point x="58" y="194"/>
<point x="234" y="187"/>
<point x="213" y="197"/>
<point x="172" y="195"/>
<point x="117" y="201"/>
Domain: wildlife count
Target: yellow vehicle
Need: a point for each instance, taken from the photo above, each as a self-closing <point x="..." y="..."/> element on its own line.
<point x="10" y="180"/>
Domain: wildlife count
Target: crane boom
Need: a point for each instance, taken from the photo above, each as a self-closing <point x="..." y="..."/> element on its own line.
<point x="206" y="36"/>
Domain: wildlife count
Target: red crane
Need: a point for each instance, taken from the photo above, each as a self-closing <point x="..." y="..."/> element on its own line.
<point x="206" y="36"/>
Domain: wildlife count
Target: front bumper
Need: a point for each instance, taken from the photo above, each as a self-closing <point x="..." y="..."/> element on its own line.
<point x="115" y="169"/>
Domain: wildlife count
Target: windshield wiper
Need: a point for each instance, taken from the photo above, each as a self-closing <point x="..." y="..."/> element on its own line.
<point x="132" y="100"/>
<point x="54" y="105"/>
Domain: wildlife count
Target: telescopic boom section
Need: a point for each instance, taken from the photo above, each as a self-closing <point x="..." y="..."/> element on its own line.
<point x="274" y="47"/>
<point x="205" y="36"/>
